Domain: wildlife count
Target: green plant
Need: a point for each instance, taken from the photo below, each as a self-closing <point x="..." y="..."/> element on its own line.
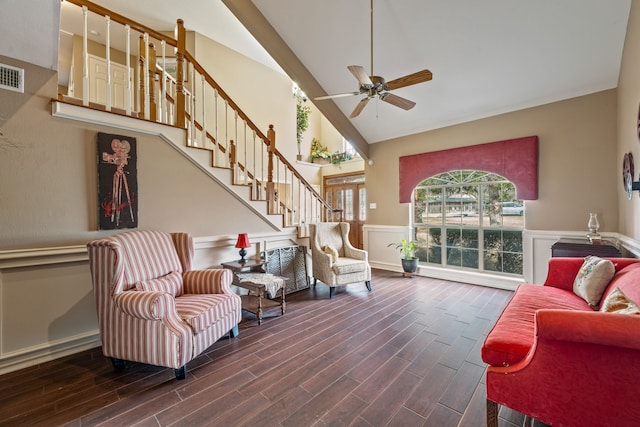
<point x="406" y="247"/>
<point x="302" y="121"/>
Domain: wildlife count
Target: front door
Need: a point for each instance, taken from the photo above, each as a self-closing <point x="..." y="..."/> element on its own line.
<point x="348" y="193"/>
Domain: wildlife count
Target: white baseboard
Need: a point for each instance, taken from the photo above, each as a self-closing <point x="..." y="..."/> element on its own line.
<point x="48" y="351"/>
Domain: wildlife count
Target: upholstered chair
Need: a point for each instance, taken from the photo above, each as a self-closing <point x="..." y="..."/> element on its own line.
<point x="152" y="307"/>
<point x="334" y="260"/>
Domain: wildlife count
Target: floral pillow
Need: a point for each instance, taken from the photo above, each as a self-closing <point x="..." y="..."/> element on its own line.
<point x="618" y="302"/>
<point x="332" y="252"/>
<point x="592" y="279"/>
<point x="170" y="283"/>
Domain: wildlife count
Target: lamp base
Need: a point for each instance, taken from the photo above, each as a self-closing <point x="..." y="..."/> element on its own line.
<point x="243" y="253"/>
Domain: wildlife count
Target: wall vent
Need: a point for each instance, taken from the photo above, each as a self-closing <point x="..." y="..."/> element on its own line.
<point x="11" y="78"/>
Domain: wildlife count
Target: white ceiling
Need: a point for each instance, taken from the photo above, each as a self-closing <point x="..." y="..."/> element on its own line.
<point x="487" y="57"/>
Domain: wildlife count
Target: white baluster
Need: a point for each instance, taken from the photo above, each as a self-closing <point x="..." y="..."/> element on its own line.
<point x="127" y="101"/>
<point x="85" y="58"/>
<point x="108" y="58"/>
<point x="164" y="118"/>
<point x="204" y="113"/>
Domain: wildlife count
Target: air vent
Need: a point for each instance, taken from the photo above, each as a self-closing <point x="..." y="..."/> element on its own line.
<point x="11" y="78"/>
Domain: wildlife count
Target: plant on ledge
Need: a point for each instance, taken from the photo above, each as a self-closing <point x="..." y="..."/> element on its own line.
<point x="318" y="151"/>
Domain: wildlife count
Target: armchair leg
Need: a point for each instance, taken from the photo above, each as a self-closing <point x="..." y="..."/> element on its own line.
<point x="492" y="413"/>
<point x="315" y="281"/>
<point x="181" y="373"/>
<point x="331" y="291"/>
<point x="234" y="332"/>
<point x="118" y="363"/>
<point x="368" y="283"/>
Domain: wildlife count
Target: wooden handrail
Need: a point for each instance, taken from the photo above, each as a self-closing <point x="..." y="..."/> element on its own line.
<point x="124" y="21"/>
<point x="181" y="111"/>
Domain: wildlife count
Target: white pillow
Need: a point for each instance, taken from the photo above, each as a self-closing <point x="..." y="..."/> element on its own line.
<point x="592" y="279"/>
<point x="618" y="302"/>
<point x="332" y="252"/>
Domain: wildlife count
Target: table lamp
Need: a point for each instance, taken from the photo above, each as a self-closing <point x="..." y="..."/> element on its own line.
<point x="242" y="243"/>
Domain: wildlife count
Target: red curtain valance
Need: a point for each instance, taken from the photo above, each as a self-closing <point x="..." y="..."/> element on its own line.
<point x="514" y="159"/>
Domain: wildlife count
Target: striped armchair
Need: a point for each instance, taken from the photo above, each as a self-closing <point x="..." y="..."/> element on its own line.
<point x="152" y="307"/>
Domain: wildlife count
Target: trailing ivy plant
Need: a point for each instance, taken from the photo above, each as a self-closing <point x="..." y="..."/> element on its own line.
<point x="302" y="121"/>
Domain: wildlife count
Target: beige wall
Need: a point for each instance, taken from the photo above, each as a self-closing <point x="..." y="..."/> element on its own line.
<point x="48" y="177"/>
<point x="578" y="163"/>
<point x="628" y="142"/>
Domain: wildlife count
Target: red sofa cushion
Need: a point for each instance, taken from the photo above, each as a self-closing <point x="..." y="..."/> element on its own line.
<point x="627" y="281"/>
<point x="512" y="335"/>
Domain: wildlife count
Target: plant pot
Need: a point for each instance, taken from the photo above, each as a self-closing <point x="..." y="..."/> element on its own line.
<point x="410" y="266"/>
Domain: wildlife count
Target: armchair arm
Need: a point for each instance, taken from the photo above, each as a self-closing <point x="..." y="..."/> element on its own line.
<point x="355" y="253"/>
<point x="146" y="305"/>
<point x="212" y="281"/>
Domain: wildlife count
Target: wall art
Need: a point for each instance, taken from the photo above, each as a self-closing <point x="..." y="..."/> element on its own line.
<point x="117" y="182"/>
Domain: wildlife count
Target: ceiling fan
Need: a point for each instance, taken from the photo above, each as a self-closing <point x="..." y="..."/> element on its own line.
<point x="376" y="87"/>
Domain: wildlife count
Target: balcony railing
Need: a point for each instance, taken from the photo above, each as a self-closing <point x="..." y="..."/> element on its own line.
<point x="171" y="87"/>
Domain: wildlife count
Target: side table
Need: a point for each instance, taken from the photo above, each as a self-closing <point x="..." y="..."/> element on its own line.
<point x="251" y="275"/>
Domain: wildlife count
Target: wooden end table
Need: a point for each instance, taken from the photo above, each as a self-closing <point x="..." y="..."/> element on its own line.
<point x="251" y="276"/>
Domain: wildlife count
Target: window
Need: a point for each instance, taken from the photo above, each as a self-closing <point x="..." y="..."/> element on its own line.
<point x="469" y="219"/>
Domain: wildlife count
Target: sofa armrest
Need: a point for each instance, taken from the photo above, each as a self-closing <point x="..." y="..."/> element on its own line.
<point x="212" y="281"/>
<point x="581" y="370"/>
<point x="146" y="305"/>
<point x="589" y="327"/>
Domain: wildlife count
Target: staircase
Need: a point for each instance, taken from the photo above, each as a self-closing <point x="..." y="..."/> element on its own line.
<point x="180" y="102"/>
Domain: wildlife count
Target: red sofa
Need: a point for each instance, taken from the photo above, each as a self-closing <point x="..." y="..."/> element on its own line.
<point x="557" y="360"/>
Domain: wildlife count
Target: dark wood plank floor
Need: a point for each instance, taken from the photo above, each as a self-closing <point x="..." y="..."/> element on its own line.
<point x="405" y="354"/>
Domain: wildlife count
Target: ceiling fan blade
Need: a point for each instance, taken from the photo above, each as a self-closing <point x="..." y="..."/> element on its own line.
<point x="410" y="79"/>
<point x="398" y="101"/>
<point x="337" y="95"/>
<point x="356" y="111"/>
<point x="361" y="75"/>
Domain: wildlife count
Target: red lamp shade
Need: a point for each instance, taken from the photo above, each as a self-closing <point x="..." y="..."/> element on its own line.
<point x="242" y="243"/>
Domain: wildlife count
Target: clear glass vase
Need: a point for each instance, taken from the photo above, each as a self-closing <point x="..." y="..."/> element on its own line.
<point x="593" y="225"/>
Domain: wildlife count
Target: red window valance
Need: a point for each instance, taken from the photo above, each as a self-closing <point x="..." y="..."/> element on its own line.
<point x="514" y="159"/>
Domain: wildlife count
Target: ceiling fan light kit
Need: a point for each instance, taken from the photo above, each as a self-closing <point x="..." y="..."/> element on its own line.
<point x="373" y="86"/>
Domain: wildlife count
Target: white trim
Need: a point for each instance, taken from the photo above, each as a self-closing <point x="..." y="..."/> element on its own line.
<point x="48" y="351"/>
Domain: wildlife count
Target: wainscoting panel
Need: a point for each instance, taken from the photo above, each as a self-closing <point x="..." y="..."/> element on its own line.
<point x="47" y="306"/>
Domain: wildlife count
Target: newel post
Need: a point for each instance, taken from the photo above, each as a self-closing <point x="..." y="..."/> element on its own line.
<point x="180" y="51"/>
<point x="272" y="194"/>
<point x="151" y="69"/>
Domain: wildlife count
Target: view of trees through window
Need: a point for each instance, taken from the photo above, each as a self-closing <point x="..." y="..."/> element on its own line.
<point x="469" y="219"/>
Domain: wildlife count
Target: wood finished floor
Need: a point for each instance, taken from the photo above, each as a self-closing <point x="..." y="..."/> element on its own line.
<point x="405" y="354"/>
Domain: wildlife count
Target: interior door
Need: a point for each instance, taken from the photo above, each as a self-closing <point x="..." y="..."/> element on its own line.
<point x="348" y="193"/>
<point x="98" y="82"/>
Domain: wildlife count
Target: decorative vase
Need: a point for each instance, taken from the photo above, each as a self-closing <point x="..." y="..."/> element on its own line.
<point x="593" y="226"/>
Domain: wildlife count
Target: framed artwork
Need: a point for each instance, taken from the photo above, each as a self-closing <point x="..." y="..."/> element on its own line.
<point x="117" y="182"/>
<point x="627" y="174"/>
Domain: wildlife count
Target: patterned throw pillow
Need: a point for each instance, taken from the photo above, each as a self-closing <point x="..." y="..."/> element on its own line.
<point x="331" y="251"/>
<point x="170" y="283"/>
<point x="592" y="279"/>
<point x="618" y="302"/>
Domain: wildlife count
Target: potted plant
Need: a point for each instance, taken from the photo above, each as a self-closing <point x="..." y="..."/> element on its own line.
<point x="407" y="250"/>
<point x="302" y="123"/>
<point x="319" y="153"/>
